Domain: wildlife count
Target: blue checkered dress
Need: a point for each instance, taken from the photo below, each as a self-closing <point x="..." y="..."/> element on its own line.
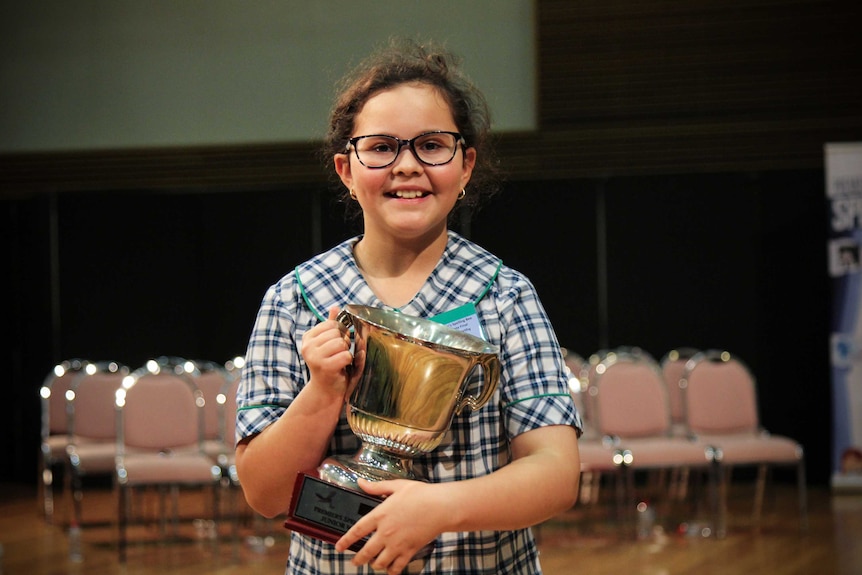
<point x="532" y="391"/>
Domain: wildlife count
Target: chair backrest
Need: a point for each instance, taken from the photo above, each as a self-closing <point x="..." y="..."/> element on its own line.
<point x="211" y="381"/>
<point x="629" y="397"/>
<point x="227" y="403"/>
<point x="575" y="365"/>
<point x="673" y="370"/>
<point x="55" y="420"/>
<point x="720" y="394"/>
<point x="92" y="403"/>
<point x="573" y="361"/>
<point x="234" y="368"/>
<point x="160" y="409"/>
<point x="606" y="356"/>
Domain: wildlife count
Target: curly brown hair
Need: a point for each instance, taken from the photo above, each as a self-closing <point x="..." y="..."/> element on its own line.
<point x="404" y="61"/>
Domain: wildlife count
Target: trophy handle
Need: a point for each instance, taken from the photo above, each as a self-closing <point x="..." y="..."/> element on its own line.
<point x="354" y="371"/>
<point x="345" y="319"/>
<point x="491" y="370"/>
<point x="345" y="324"/>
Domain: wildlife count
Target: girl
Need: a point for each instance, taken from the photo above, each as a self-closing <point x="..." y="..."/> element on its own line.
<point x="407" y="136"/>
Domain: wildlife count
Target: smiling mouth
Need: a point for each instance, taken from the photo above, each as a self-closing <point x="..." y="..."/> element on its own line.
<point x="408" y="194"/>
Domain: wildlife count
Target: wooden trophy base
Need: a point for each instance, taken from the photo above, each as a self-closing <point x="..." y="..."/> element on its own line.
<point x="324" y="510"/>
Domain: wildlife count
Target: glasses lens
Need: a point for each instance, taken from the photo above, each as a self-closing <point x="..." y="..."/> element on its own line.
<point x="376" y="151"/>
<point x="435" y="148"/>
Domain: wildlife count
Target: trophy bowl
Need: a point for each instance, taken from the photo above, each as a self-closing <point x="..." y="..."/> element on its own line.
<point x="409" y="380"/>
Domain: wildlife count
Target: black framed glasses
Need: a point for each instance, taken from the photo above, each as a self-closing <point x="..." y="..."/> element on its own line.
<point x="431" y="148"/>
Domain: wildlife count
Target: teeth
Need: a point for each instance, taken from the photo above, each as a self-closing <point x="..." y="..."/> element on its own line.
<point x="408" y="195"/>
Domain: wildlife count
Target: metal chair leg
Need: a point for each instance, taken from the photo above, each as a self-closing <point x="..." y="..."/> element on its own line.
<point x="759" y="492"/>
<point x="803" y="495"/>
<point x="123" y="501"/>
<point x="724" y="478"/>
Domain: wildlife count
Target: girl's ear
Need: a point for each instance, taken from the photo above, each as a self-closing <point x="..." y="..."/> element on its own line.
<point x="342" y="168"/>
<point x="469" y="163"/>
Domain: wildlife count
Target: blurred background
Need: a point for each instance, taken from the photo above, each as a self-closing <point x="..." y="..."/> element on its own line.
<point x="663" y="161"/>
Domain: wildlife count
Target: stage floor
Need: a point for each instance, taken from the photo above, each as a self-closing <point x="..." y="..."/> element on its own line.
<point x="586" y="539"/>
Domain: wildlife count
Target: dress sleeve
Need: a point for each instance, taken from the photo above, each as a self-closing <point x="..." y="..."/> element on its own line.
<point x="534" y="386"/>
<point x="273" y="371"/>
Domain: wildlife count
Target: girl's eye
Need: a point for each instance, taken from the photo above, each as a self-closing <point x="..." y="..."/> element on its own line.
<point x="431" y="146"/>
<point x="380" y="147"/>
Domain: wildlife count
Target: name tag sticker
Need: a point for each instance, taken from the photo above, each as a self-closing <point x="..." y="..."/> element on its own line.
<point x="463" y="318"/>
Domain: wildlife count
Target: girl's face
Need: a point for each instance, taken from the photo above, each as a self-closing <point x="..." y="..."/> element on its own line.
<point x="407" y="199"/>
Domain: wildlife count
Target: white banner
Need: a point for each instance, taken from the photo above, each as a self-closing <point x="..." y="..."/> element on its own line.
<point x="844" y="195"/>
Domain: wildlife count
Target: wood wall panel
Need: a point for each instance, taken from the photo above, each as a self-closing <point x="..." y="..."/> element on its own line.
<point x="703" y="85"/>
<point x="686" y="60"/>
<point x="205" y="168"/>
<point x="626" y="87"/>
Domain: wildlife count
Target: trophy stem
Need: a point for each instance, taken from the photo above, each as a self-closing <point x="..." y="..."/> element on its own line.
<point x="383" y="464"/>
<point x="371" y="462"/>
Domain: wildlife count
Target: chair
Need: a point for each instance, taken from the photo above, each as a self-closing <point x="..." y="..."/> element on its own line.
<point x="227" y="419"/>
<point x="218" y="386"/>
<point x="159" y="437"/>
<point x="212" y="380"/>
<point x="672" y="369"/>
<point x="55" y="427"/>
<point x="227" y="459"/>
<point x="631" y="411"/>
<point x="234" y="368"/>
<point x="597" y="457"/>
<point x="259" y="524"/>
<point x="92" y="423"/>
<point x="235" y="365"/>
<point x="577" y="368"/>
<point x="720" y="398"/>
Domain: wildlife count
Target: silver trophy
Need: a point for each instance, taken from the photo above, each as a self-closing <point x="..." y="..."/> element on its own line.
<point x="409" y="379"/>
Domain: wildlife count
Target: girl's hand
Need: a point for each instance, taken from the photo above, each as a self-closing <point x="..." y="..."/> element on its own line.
<point x="408" y="519"/>
<point x="326" y="350"/>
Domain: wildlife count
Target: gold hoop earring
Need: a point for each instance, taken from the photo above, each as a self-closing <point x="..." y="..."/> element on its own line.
<point x="352" y="194"/>
<point x="462" y="193"/>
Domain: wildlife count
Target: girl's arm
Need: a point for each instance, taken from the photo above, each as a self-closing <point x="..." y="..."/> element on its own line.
<point x="267" y="463"/>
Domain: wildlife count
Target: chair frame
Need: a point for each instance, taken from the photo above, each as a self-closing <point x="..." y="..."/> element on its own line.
<point x="677" y="358"/>
<point x="55" y="438"/>
<point x="215" y="426"/>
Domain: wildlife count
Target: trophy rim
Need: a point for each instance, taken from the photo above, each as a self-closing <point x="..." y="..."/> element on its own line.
<point x="475" y="345"/>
